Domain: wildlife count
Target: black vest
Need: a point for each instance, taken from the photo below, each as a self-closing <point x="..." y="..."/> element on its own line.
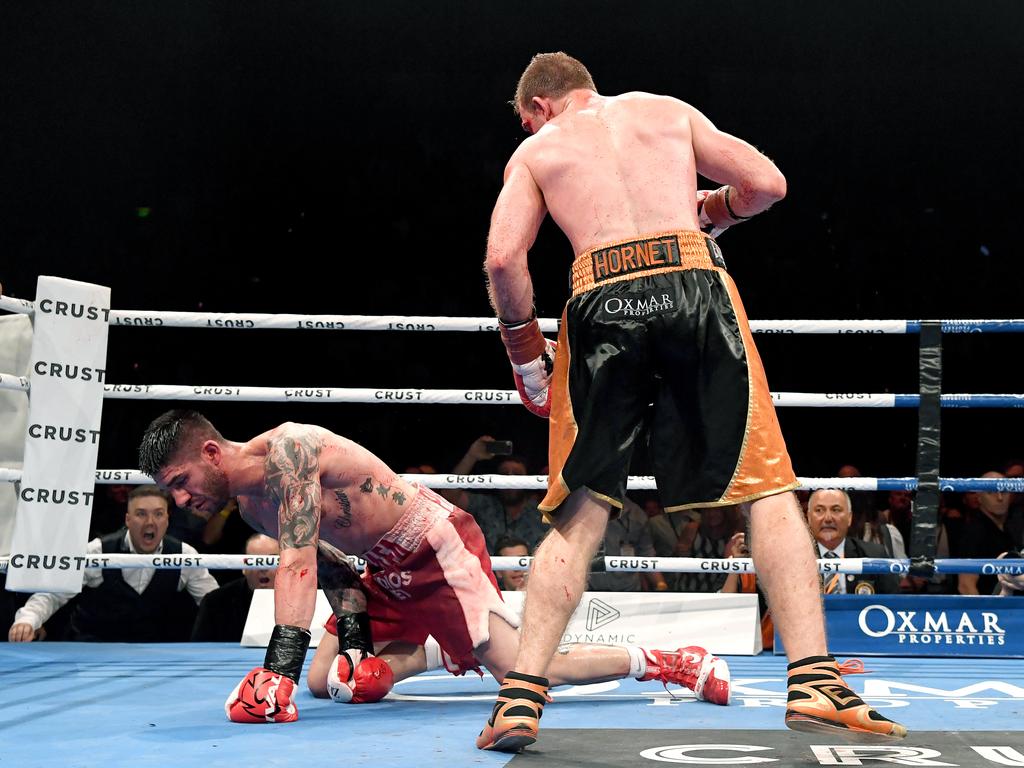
<point x="115" y="612"/>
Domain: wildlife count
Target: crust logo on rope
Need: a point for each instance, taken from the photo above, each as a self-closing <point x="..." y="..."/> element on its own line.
<point x="939" y="628"/>
<point x="317" y="393"/>
<point x="599" y="613"/>
<point x="489" y="397"/>
<point x="399" y="394"/>
<point x="142" y="321"/>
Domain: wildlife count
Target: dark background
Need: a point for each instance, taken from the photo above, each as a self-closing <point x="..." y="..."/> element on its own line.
<point x="336" y="157"/>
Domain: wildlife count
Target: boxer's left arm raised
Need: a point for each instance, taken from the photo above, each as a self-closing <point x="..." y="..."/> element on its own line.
<point x="293" y="477"/>
<point x="515" y="221"/>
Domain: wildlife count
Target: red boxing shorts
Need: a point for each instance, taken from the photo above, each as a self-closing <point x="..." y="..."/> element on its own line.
<point x="431" y="575"/>
<point x="658" y="320"/>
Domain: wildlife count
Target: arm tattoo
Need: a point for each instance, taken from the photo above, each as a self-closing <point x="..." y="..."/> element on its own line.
<point x="293" y="477"/>
<point x="338" y="579"/>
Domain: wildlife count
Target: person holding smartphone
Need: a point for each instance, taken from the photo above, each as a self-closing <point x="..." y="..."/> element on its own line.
<point x="508" y="512"/>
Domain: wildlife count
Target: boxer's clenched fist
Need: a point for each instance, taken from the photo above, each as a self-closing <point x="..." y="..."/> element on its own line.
<point x="355" y="678"/>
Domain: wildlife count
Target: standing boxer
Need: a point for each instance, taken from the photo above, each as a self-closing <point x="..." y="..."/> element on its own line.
<point x="653" y="317"/>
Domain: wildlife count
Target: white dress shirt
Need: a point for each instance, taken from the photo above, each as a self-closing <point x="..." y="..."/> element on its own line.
<point x="42" y="605"/>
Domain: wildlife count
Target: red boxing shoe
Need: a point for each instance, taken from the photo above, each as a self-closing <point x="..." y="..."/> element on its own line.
<point x="691" y="667"/>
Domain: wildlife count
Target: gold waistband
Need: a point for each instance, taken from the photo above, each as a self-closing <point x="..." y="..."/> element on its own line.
<point x="650" y="255"/>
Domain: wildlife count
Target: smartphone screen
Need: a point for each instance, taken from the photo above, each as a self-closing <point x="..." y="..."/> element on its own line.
<point x="499" y="447"/>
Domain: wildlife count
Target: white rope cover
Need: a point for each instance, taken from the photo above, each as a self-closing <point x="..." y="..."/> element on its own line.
<point x="263" y="320"/>
<point x="494" y="482"/>
<point x="622" y="564"/>
<point x="412" y="396"/>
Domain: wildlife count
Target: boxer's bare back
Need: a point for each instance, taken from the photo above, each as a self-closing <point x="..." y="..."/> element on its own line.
<point x="607" y="169"/>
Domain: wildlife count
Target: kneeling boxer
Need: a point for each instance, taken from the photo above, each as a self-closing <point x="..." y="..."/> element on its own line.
<point x="427" y="564"/>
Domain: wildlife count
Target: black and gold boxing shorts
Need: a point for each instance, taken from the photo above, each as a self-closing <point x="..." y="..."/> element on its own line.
<point x="655" y="345"/>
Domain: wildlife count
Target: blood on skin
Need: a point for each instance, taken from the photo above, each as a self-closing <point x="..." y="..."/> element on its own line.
<point x="303" y="572"/>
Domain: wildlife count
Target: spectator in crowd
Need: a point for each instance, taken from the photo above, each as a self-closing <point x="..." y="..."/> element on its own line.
<point x="951" y="519"/>
<point x="867" y="518"/>
<point x="747" y="583"/>
<point x="667" y="531"/>
<point x="628" y="535"/>
<point x="134" y="604"/>
<point x="1014" y="468"/>
<point x="829" y="516"/>
<point x="987" y="535"/>
<point x="511" y="546"/>
<point x="710" y="538"/>
<point x="1010" y="585"/>
<point x="10" y="602"/>
<point x="899" y="512"/>
<point x="223" y="612"/>
<point x="507" y="512"/>
<point x="868" y="525"/>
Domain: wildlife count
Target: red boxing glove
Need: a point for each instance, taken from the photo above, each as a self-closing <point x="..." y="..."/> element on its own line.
<point x="368" y="681"/>
<point x="533" y="360"/>
<point x="262" y="697"/>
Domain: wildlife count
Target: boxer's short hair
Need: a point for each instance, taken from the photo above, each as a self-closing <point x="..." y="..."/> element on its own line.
<point x="551" y="75"/>
<point x="170" y="433"/>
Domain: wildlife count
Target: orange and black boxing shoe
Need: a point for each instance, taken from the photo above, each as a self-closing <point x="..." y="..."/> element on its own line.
<point x="515" y="719"/>
<point x="821" y="702"/>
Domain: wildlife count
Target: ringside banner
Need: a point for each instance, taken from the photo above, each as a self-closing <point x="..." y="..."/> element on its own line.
<point x="67" y="370"/>
<point x="923" y="625"/>
<point x="724" y="624"/>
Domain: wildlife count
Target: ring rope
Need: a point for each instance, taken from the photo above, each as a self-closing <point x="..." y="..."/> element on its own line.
<point x="631" y="564"/>
<point x="495" y="482"/>
<point x="366" y="395"/>
<point x="262" y="320"/>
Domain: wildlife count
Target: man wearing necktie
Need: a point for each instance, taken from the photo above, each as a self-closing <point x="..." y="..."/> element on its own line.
<point x="829" y="515"/>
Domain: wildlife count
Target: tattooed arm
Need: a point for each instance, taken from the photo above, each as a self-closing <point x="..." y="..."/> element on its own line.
<point x="293" y="477"/>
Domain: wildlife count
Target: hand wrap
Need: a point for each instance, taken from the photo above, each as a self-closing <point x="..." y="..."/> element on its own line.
<point x="714" y="211"/>
<point x="533" y="359"/>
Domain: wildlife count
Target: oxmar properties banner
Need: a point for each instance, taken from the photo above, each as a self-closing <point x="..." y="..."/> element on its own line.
<point x="924" y="625"/>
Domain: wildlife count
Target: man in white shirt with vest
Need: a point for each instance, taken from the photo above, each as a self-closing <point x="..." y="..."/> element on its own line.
<point x="134" y="604"/>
